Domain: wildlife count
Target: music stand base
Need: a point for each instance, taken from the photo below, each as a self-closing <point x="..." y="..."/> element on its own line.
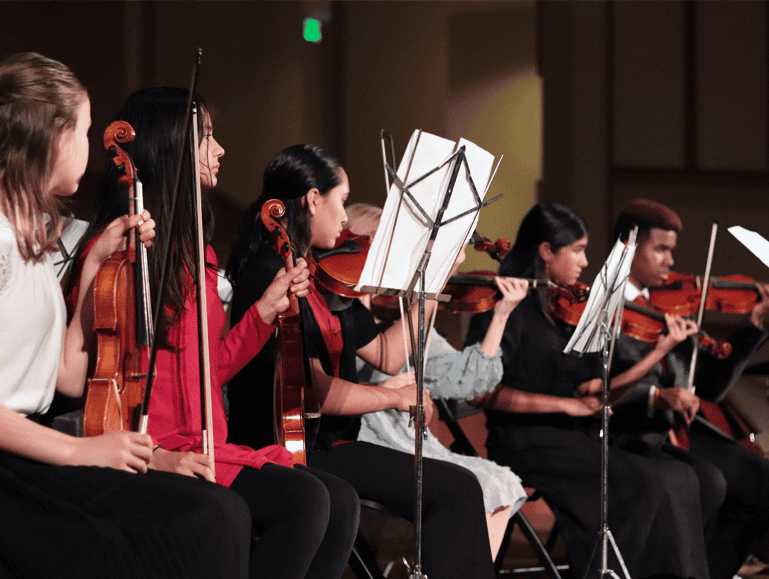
<point x="416" y="571"/>
<point x="604" y="537"/>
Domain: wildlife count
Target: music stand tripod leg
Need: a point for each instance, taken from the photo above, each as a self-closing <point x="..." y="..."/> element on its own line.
<point x="605" y="535"/>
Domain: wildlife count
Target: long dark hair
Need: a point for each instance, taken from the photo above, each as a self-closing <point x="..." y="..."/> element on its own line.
<point x="157" y="115"/>
<point x="288" y="177"/>
<point x="546" y="222"/>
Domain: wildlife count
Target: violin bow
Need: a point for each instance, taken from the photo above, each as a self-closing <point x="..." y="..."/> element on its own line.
<point x="207" y="419"/>
<point x="703" y="299"/>
<point x="166" y="258"/>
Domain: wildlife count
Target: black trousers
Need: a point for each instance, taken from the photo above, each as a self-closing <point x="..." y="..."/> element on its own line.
<point x="655" y="510"/>
<point x="77" y="522"/>
<point x="455" y="542"/>
<point x="743" y="519"/>
<point x="306" y="521"/>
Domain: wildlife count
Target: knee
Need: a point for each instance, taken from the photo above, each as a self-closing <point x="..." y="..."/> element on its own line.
<point x="311" y="498"/>
<point x="456" y="486"/>
<point x="344" y="516"/>
<point x="345" y="504"/>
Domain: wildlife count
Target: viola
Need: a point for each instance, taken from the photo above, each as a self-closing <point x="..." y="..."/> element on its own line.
<point x="122" y="319"/>
<point x="638" y="322"/>
<point x="735" y="294"/>
<point x="291" y="365"/>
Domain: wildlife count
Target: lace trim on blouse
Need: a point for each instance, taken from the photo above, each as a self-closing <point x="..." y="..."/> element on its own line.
<point x="7" y="237"/>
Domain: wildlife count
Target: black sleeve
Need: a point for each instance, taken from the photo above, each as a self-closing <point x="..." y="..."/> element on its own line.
<point x="250" y="392"/>
<point x="714" y="376"/>
<point x="252" y="281"/>
<point x="365" y="325"/>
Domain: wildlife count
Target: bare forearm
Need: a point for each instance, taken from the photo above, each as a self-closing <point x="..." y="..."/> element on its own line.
<point x="635" y="373"/>
<point x="493" y="337"/>
<point x="340" y="397"/>
<point x="513" y="400"/>
<point x="79" y="337"/>
<point x="22" y="437"/>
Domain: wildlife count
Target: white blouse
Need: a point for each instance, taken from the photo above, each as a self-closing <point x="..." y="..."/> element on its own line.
<point x="32" y="325"/>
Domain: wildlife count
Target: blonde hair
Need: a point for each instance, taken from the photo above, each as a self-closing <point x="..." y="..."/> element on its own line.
<point x="39" y="98"/>
<point x="363" y="218"/>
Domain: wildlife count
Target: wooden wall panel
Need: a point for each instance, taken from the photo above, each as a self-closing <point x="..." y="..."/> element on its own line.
<point x="731" y="98"/>
<point x="648" y="89"/>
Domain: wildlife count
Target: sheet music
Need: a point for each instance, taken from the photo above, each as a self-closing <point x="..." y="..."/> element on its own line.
<point x="404" y="232"/>
<point x="72" y="232"/>
<point x="755" y="242"/>
<point x="605" y="295"/>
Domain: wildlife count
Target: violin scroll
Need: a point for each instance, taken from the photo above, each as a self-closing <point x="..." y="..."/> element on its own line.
<point x="120" y="132"/>
<point x="496" y="249"/>
<point x="720" y="350"/>
<point x="273" y="210"/>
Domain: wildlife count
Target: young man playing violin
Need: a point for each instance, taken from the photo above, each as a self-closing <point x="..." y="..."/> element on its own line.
<point x="726" y="473"/>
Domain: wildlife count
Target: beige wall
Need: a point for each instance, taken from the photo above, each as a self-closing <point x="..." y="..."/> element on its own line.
<point x="454" y="69"/>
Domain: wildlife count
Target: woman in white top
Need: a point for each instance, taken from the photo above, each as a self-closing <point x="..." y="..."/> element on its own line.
<point x="63" y="516"/>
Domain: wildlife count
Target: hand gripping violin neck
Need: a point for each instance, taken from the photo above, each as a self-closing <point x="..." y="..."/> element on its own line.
<point x="122" y="316"/>
<point x="292" y="369"/>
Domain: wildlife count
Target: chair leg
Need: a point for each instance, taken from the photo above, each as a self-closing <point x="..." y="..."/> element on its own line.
<point x="548" y="566"/>
<point x="552" y="538"/>
<point x="363" y="560"/>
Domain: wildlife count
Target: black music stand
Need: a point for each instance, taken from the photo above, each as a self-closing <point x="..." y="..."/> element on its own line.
<point x="597" y="331"/>
<point x="402" y="198"/>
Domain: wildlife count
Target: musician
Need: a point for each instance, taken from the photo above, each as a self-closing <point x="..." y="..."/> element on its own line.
<point x="306" y="519"/>
<point x="77" y="507"/>
<point x="645" y="415"/>
<point x="450" y="373"/>
<point x="314" y="188"/>
<point x="541" y="427"/>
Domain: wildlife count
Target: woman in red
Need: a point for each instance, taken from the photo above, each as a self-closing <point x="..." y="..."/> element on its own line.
<point x="282" y="497"/>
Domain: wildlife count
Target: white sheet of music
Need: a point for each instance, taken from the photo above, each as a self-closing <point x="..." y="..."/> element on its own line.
<point x="71" y="234"/>
<point x="403" y="232"/>
<point x="612" y="278"/>
<point x="755" y="242"/>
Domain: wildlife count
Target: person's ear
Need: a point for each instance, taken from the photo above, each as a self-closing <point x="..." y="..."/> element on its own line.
<point x="312" y="198"/>
<point x="545" y="252"/>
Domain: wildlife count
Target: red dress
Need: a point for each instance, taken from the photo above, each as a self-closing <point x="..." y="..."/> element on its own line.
<point x="174" y="416"/>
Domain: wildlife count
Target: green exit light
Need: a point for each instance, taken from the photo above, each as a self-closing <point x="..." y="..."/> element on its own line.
<point x="312" y="30"/>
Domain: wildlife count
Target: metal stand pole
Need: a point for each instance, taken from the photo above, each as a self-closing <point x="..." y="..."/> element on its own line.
<point x="417" y="413"/>
<point x="604" y="534"/>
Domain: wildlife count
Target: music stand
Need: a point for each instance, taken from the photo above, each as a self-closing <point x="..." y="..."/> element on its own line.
<point x="441" y="202"/>
<point x="597" y="331"/>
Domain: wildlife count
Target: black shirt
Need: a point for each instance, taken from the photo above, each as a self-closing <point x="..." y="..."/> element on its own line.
<point x="251" y="391"/>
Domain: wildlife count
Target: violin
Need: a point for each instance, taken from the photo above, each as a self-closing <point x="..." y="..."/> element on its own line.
<point x="291" y="366"/>
<point x="122" y="319"/>
<point x="735" y="294"/>
<point x="638" y="322"/>
<point x="338" y="269"/>
<point x="475" y="292"/>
